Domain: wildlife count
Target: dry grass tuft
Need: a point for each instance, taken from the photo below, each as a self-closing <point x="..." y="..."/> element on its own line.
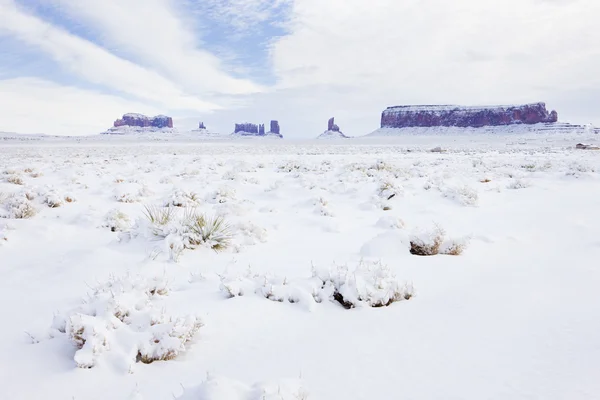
<point x="214" y="231"/>
<point x="14" y="179"/>
<point x="428" y="246"/>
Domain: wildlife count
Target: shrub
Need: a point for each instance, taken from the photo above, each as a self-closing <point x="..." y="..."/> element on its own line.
<point x="117" y="221"/>
<point x="434" y="242"/>
<point x="14" y="179"/>
<point x="17" y="207"/>
<point x="145" y="332"/>
<point x="212" y="231"/>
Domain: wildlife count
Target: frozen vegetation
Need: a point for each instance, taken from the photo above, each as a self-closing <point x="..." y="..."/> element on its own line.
<point x="414" y="267"/>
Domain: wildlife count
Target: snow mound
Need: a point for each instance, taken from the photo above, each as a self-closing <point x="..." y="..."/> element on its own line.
<point x="220" y="388"/>
<point x="122" y="316"/>
<point x="332" y="135"/>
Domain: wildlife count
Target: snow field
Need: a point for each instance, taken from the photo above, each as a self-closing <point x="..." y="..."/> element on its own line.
<point x="299" y="271"/>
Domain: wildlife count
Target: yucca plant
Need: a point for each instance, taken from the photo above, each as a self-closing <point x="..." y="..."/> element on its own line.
<point x="212" y="231"/>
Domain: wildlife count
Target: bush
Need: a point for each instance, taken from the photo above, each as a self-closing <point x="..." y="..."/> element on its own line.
<point x="434" y="242"/>
<point x="367" y="285"/>
<point x="17" y="207"/>
<point x="122" y="314"/>
<point x="186" y="230"/>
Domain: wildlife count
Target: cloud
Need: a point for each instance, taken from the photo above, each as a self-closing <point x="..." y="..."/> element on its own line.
<point x="91" y="62"/>
<point x="469" y="51"/>
<point x="31" y="105"/>
<point x="344" y="58"/>
<point x="159" y="35"/>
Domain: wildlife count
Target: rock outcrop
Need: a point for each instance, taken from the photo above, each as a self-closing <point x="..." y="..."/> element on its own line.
<point x="333" y="131"/>
<point x="142" y="121"/>
<point x="460" y="116"/>
<point x="275" y="127"/>
<point x="248" y="129"/>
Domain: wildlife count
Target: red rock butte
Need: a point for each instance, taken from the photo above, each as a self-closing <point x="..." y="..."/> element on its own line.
<point x="466" y="116"/>
<point x="142" y="121"/>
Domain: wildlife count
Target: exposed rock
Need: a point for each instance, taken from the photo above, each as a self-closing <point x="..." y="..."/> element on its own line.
<point x="460" y="116"/>
<point x="275" y="127"/>
<point x="331" y="126"/>
<point x="142" y="121"/>
<point x="332" y="132"/>
<point x="437" y="149"/>
<point x="582" y="146"/>
<point x="246" y="129"/>
<point x="201" y="125"/>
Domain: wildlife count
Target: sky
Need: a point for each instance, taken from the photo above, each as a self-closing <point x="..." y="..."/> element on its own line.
<point x="71" y="67"/>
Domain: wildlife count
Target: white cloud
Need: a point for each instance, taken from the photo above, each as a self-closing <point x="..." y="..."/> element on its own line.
<point x="93" y="63"/>
<point x="159" y="35"/>
<point x="459" y="51"/>
<point x="344" y="58"/>
<point x="30" y="105"/>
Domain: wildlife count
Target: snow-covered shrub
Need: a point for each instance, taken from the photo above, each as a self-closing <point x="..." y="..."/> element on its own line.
<point x="117" y="221"/>
<point x="390" y="222"/>
<point x="427" y="243"/>
<point x="221" y="388"/>
<point x="431" y="243"/>
<point x="182" y="198"/>
<point x="14" y="179"/>
<point x="251" y="232"/>
<point x="122" y="313"/>
<point x="17" y="206"/>
<point x="388" y="189"/>
<point x="185" y="229"/>
<point x="125" y="196"/>
<point x="519" y="184"/>
<point x="370" y="284"/>
<point x="53" y="199"/>
<point x="322" y="207"/>
<point x="211" y="231"/>
<point x="464" y="195"/>
<point x="222" y="195"/>
<point x="4" y="228"/>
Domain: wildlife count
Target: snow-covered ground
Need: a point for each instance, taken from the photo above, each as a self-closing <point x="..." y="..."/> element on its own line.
<point x="226" y="270"/>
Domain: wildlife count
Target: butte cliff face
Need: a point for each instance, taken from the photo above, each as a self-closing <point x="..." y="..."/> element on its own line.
<point x="248" y="129"/>
<point x="333" y="131"/>
<point x="142" y="121"/>
<point x="459" y="116"/>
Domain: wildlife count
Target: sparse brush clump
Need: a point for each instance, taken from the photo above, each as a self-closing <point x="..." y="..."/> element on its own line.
<point x="434" y="242"/>
<point x="213" y="231"/>
<point x="16" y="206"/>
<point x="14" y="179"/>
<point x="368" y="285"/>
<point x="122" y="314"/>
<point x="187" y="229"/>
<point x="117" y="221"/>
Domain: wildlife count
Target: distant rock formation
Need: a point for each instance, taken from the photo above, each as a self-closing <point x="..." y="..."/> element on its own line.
<point x="248" y="129"/>
<point x="201" y="125"/>
<point x="331" y="126"/>
<point x="461" y="116"/>
<point x="275" y="127"/>
<point x="142" y="121"/>
<point x="332" y="132"/>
